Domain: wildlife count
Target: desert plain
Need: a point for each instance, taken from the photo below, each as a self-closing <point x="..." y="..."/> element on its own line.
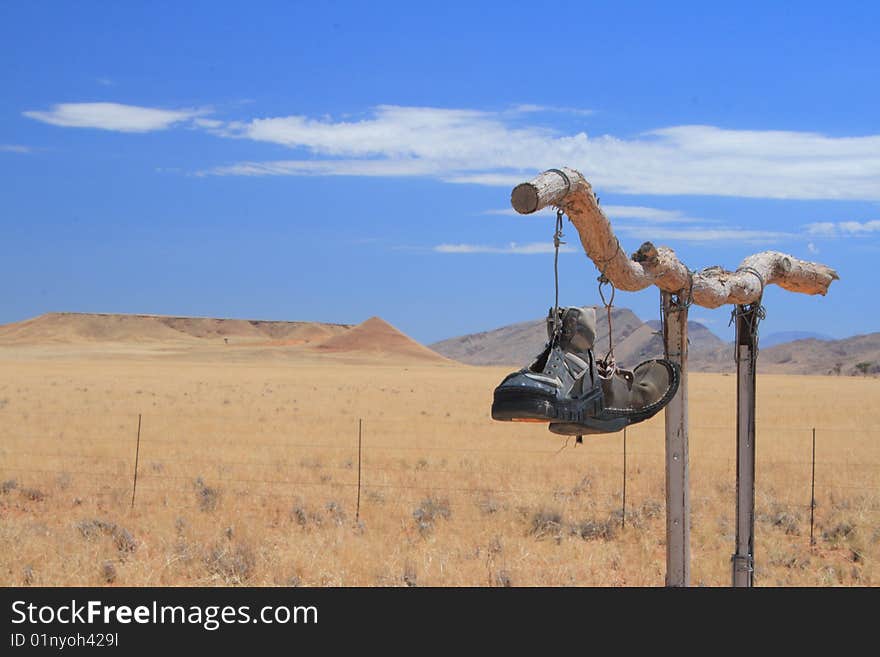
<point x="245" y="443"/>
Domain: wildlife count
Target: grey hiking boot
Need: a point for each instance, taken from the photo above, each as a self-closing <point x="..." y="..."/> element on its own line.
<point x="562" y="383"/>
<point x="628" y="397"/>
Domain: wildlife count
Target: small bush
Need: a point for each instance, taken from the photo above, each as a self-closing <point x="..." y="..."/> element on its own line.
<point x="841" y="530"/>
<point x="336" y="512"/>
<point x="108" y="572"/>
<point x="429" y="511"/>
<point x="208" y="497"/>
<point x="546" y="523"/>
<point x="234" y="563"/>
<point x="592" y="529"/>
<point x="502" y="578"/>
<point x="8" y="486"/>
<point x="410" y="577"/>
<point x="122" y="538"/>
<point x="32" y="494"/>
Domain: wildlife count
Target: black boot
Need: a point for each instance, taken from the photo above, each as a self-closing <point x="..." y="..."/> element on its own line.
<point x="628" y="397"/>
<point x="562" y="383"/>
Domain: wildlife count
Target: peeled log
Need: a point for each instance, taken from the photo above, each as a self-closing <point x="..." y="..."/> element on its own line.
<point x="711" y="287"/>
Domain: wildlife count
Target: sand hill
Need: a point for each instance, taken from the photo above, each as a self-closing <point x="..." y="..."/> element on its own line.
<point x="240" y="339"/>
<point x="378" y="337"/>
<point x="54" y="328"/>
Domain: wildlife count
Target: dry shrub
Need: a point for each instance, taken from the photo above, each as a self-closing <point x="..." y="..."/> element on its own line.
<point x="595" y="529"/>
<point x="108" y="572"/>
<point x="234" y="563"/>
<point x="546" y="523"/>
<point x="336" y="513"/>
<point x="779" y="517"/>
<point x="208" y="497"/>
<point x="429" y="511"/>
<point x="410" y="577"/>
<point x="122" y="538"/>
<point x="502" y="578"/>
<point x="8" y="486"/>
<point x="836" y="533"/>
<point x="32" y="494"/>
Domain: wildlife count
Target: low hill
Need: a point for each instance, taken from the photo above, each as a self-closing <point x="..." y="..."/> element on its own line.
<point x="634" y="341"/>
<point x="72" y="328"/>
<point x="241" y="339"/>
<point x="378" y="337"/>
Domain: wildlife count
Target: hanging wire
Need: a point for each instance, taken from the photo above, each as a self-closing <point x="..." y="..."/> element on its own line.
<point x="557" y="241"/>
<point x="607" y="366"/>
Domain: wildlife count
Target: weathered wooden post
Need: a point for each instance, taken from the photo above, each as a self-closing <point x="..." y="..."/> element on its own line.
<point x="678" y="499"/>
<point x="743" y="560"/>
<point x="710" y="288"/>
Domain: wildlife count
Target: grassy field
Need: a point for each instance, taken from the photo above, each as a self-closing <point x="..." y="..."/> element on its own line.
<point x="248" y="474"/>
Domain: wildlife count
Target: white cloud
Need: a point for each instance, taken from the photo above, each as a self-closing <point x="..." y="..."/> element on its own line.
<point x="651" y="215"/>
<point x="478" y="147"/>
<point x="512" y="248"/>
<point x="842" y="228"/>
<point x="812" y="248"/>
<point x="699" y="234"/>
<point x="112" y="116"/>
<point x="527" y="108"/>
<point x="15" y="148"/>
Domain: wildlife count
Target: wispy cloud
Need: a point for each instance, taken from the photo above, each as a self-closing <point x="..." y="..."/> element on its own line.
<point x="701" y="234"/>
<point x="471" y="146"/>
<point x="113" y="116"/>
<point x="527" y="108"/>
<point x="843" y="228"/>
<point x="662" y="224"/>
<point x="651" y="215"/>
<point x="479" y="147"/>
<point x="512" y="248"/>
<point x="15" y="148"/>
<point x="812" y="248"/>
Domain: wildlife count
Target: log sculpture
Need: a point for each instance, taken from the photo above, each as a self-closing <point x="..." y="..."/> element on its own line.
<point x="711" y="287"/>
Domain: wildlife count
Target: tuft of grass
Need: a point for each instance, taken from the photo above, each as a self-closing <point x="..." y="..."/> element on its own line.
<point x="233" y="563"/>
<point x="108" y="572"/>
<point x="502" y="578"/>
<point x="838" y="532"/>
<point x="32" y="494"/>
<point x="208" y="497"/>
<point x="410" y="577"/>
<point x="429" y="511"/>
<point x="122" y="538"/>
<point x="590" y="530"/>
<point x="546" y="523"/>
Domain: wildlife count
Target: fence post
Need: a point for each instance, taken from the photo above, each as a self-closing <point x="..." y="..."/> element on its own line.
<point x="137" y="453"/>
<point x="623" y="507"/>
<point x="357" y="514"/>
<point x="743" y="559"/>
<point x="813" y="489"/>
<point x="678" y="505"/>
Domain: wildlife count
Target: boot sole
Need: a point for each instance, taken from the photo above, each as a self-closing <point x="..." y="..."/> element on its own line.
<point x="532" y="406"/>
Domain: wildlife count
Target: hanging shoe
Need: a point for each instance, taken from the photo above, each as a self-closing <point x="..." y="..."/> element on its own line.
<point x="628" y="397"/>
<point x="562" y="383"/>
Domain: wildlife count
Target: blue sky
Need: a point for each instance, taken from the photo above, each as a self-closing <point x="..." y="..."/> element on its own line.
<point x="333" y="161"/>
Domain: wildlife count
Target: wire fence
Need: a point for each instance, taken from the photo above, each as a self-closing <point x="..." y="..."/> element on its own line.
<point x="371" y="465"/>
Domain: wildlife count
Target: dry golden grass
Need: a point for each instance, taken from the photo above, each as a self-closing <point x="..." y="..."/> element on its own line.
<point x="248" y="473"/>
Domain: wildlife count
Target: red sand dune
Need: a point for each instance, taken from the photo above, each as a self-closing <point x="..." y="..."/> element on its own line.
<point x="379" y="337"/>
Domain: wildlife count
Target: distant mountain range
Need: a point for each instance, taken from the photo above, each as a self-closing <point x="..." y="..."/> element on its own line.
<point x="634" y="341"/>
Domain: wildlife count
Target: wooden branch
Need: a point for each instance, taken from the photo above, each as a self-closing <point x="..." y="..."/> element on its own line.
<point x="711" y="287"/>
